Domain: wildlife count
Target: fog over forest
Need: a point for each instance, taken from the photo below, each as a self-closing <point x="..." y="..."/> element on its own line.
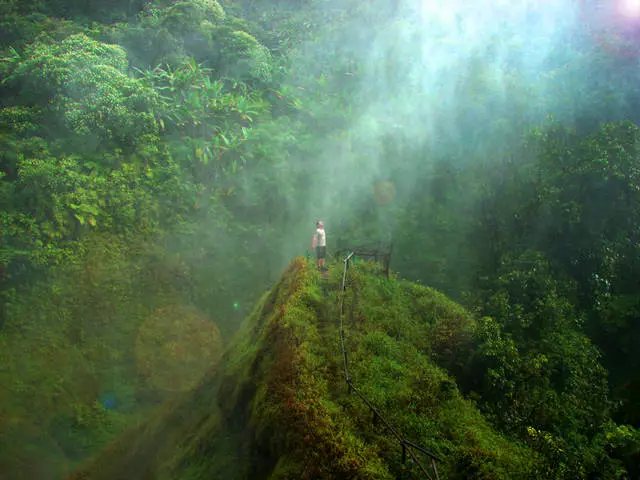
<point x="459" y="83"/>
<point x="162" y="163"/>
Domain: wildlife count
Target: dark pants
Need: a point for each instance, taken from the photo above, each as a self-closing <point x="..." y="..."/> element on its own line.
<point x="321" y="252"/>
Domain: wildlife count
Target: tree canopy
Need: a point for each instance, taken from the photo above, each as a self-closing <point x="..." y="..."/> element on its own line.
<point x="167" y="160"/>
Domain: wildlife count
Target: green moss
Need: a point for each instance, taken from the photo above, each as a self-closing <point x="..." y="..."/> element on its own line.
<point x="279" y="408"/>
<point x="395" y="332"/>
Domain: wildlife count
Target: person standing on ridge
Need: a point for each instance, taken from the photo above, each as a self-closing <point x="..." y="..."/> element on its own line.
<point x="319" y="244"/>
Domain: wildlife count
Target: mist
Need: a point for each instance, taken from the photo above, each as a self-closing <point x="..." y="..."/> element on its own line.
<point x="459" y="81"/>
<point x="162" y="164"/>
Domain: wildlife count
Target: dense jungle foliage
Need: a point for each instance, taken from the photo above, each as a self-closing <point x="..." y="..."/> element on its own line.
<point x="163" y="161"/>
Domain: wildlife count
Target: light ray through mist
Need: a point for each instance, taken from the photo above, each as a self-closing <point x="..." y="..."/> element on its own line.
<point x="458" y="80"/>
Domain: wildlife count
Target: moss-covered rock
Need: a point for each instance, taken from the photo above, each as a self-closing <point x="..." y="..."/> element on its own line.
<point x="278" y="407"/>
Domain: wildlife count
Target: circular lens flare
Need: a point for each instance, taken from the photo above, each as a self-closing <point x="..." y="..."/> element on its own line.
<point x="176" y="347"/>
<point x="384" y="192"/>
<point x="614" y="24"/>
<point x="630" y="8"/>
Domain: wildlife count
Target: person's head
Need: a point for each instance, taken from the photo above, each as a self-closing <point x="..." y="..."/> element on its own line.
<point x="319" y="224"/>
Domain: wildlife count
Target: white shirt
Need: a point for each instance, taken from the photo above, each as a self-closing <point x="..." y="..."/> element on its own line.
<point x="321" y="238"/>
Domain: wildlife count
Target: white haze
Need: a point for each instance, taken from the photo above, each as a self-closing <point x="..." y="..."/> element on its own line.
<point x="460" y="79"/>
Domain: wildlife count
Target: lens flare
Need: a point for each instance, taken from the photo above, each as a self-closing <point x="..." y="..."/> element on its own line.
<point x="109" y="401"/>
<point x="630" y="8"/>
<point x="176" y="347"/>
<point x="384" y="192"/>
<point x="615" y="25"/>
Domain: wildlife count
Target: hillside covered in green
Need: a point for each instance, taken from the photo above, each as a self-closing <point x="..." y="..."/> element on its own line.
<point x="162" y="162"/>
<point x="278" y="407"/>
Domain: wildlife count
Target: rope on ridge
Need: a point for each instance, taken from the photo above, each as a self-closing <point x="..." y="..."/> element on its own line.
<point x="407" y="446"/>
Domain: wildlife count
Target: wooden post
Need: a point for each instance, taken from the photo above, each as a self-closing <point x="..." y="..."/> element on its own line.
<point x="388" y="260"/>
<point x="435" y="469"/>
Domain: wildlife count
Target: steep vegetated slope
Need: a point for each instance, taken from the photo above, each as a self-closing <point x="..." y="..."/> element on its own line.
<point x="278" y="407"/>
<point x="114" y="183"/>
<point x="162" y="161"/>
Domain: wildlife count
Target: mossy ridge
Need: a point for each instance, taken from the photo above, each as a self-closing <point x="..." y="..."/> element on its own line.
<point x="395" y="331"/>
<point x="273" y="418"/>
<point x="392" y="358"/>
<point x="292" y="413"/>
<point x="278" y="407"/>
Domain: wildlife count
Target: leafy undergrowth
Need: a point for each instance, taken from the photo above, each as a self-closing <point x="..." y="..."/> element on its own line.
<point x="278" y="406"/>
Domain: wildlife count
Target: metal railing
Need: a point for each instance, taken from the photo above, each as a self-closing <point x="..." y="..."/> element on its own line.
<point x="407" y="445"/>
<point x="379" y="252"/>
